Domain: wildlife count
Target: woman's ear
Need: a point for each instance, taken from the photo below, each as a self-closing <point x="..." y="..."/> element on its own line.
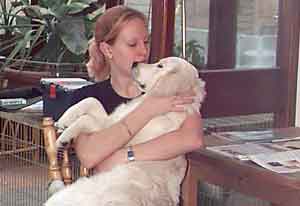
<point x="106" y="49"/>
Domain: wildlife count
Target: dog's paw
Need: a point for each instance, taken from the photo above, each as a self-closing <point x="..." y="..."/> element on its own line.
<point x="61" y="143"/>
<point x="55" y="186"/>
<point x="64" y="122"/>
<point x="58" y="144"/>
<point x="59" y="128"/>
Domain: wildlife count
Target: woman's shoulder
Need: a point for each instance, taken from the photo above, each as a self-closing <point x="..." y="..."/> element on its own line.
<point x="94" y="87"/>
<point x="92" y="90"/>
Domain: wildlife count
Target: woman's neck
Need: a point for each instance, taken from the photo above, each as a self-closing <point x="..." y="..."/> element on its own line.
<point x="124" y="87"/>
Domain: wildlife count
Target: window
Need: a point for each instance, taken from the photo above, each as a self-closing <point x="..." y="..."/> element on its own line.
<point x="246" y="70"/>
<point x="196" y="29"/>
<point x="142" y="6"/>
<point x="257" y="27"/>
<point x="219" y="33"/>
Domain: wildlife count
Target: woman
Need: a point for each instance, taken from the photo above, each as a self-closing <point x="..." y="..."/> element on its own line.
<point x="121" y="39"/>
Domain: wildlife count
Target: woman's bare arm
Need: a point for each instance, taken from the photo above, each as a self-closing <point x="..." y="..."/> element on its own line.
<point x="186" y="139"/>
<point x="95" y="147"/>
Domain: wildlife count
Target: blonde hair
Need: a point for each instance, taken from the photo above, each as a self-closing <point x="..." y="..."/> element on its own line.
<point x="108" y="26"/>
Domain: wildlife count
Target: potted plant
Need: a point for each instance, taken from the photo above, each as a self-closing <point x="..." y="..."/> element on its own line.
<point x="195" y="53"/>
<point x="53" y="32"/>
<point x="9" y="13"/>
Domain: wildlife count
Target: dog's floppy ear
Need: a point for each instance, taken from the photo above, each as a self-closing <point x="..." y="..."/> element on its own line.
<point x="199" y="90"/>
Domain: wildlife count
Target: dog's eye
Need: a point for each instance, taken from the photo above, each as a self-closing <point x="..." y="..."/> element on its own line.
<point x="160" y="66"/>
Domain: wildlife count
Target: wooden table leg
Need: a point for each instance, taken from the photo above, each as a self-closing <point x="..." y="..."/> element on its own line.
<point x="190" y="188"/>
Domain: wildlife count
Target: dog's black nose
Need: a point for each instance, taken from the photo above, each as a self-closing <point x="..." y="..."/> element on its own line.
<point x="134" y="64"/>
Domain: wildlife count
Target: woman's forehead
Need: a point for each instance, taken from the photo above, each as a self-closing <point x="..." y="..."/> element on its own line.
<point x="135" y="29"/>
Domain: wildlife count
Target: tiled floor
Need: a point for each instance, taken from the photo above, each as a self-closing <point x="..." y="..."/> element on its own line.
<point x="21" y="182"/>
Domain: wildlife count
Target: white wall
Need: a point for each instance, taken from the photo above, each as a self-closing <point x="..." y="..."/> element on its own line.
<point x="297" y="122"/>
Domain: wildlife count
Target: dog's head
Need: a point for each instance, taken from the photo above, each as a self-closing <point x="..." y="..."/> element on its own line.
<point x="169" y="76"/>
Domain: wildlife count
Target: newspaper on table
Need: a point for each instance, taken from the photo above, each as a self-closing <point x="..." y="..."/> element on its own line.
<point x="254" y="135"/>
<point x="244" y="150"/>
<point x="281" y="162"/>
<point x="275" y="157"/>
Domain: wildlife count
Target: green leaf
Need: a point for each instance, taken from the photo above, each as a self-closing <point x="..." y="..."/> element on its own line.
<point x="34" y="39"/>
<point x="24" y="2"/>
<point x="23" y="24"/>
<point x="64" y="11"/>
<point x="76" y="7"/>
<point x="47" y="13"/>
<point x="33" y="11"/>
<point x="94" y="15"/>
<point x="21" y="45"/>
<point x="84" y="1"/>
<point x="55" y="23"/>
<point x="52" y="4"/>
<point x="72" y="33"/>
<point x="51" y="50"/>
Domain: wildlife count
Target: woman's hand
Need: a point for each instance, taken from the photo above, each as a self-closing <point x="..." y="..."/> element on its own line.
<point x="117" y="158"/>
<point x="158" y="105"/>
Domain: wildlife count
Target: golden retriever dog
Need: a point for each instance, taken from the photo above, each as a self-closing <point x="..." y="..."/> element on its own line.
<point x="149" y="183"/>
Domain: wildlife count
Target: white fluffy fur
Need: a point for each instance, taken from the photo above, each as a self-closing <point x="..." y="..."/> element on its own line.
<point x="150" y="183"/>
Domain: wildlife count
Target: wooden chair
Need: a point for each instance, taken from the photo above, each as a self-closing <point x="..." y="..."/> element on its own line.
<point x="62" y="170"/>
<point x="59" y="166"/>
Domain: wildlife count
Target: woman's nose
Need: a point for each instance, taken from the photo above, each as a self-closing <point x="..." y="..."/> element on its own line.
<point x="143" y="51"/>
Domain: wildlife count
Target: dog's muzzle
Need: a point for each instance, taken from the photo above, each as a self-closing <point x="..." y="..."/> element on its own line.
<point x="134" y="73"/>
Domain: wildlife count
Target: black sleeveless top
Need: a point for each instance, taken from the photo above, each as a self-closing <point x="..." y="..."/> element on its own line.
<point x="102" y="91"/>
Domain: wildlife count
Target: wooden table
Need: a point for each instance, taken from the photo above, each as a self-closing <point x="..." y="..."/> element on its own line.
<point x="241" y="176"/>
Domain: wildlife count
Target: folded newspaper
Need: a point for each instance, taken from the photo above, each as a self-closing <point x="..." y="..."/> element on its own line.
<point x="281" y="162"/>
<point x="245" y="150"/>
<point x="255" y="135"/>
<point x="272" y="156"/>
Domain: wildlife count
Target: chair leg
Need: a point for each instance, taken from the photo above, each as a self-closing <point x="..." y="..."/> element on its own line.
<point x="50" y="138"/>
<point x="66" y="168"/>
<point x="84" y="172"/>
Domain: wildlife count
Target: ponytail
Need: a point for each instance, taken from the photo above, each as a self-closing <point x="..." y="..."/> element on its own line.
<point x="97" y="67"/>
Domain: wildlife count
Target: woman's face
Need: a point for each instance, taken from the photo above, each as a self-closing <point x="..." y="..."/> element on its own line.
<point x="131" y="45"/>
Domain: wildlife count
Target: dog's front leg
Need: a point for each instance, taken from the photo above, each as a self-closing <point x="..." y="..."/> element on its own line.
<point x="84" y="124"/>
<point x="89" y="106"/>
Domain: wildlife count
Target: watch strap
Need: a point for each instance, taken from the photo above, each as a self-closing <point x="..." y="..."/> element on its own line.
<point x="130" y="154"/>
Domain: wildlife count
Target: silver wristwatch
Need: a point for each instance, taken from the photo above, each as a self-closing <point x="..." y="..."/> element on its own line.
<point x="130" y="154"/>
